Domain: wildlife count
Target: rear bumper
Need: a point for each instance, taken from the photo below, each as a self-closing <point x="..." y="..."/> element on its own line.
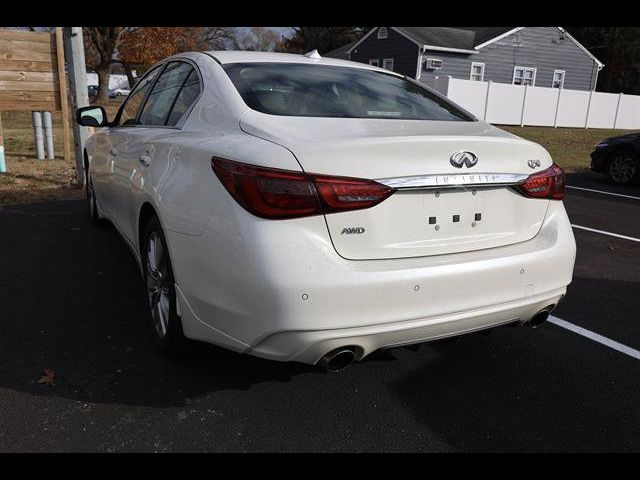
<point x="310" y="346"/>
<point x="286" y="295"/>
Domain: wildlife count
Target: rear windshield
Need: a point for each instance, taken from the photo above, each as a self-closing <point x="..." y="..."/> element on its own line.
<point x="303" y="90"/>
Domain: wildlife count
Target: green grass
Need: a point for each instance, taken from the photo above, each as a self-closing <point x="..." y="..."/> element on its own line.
<point x="18" y="135"/>
<point x="30" y="180"/>
<point x="569" y="147"/>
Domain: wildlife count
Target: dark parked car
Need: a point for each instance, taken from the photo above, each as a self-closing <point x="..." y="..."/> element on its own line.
<point x="93" y="91"/>
<point x="618" y="158"/>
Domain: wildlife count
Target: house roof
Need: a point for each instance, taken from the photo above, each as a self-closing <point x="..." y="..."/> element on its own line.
<point x="457" y="39"/>
<point x="464" y="38"/>
<point x="341" y="52"/>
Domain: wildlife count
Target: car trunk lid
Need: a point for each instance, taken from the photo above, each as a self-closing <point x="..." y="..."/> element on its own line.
<point x="438" y="208"/>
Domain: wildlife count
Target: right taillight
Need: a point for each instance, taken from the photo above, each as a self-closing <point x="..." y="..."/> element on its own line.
<point x="279" y="194"/>
<point x="549" y="183"/>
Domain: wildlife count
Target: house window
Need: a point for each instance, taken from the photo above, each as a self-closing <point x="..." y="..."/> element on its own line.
<point x="374" y="62"/>
<point x="558" y="79"/>
<point x="433" y="64"/>
<point x="524" y="76"/>
<point x="382" y="33"/>
<point x="387" y="63"/>
<point x="477" y="72"/>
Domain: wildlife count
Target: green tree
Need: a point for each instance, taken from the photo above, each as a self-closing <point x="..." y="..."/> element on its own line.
<point x="619" y="49"/>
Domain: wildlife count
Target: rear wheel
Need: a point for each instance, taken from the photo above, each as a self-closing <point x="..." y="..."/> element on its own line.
<point x="623" y="168"/>
<point x="166" y="326"/>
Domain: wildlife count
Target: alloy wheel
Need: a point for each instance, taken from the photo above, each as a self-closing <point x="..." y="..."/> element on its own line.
<point x="158" y="283"/>
<point x="622" y="169"/>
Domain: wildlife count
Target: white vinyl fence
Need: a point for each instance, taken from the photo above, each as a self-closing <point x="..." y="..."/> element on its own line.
<point x="505" y="104"/>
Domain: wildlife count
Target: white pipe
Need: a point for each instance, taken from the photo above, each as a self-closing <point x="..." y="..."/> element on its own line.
<point x="37" y="131"/>
<point x="48" y="135"/>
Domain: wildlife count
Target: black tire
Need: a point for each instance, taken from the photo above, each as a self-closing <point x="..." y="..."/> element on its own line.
<point x="164" y="322"/>
<point x="623" y="168"/>
<point x="92" y="206"/>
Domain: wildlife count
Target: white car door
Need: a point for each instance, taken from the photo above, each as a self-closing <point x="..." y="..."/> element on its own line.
<point x="122" y="176"/>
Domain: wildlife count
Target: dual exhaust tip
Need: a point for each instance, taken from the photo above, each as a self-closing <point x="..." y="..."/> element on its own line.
<point x="340" y="358"/>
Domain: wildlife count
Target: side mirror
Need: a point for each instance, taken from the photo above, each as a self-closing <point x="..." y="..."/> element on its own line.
<point x="91" y="117"/>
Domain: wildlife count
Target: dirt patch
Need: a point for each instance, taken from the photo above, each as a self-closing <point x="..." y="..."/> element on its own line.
<point x="27" y="180"/>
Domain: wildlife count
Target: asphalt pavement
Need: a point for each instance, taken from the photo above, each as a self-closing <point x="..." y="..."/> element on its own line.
<point x="72" y="302"/>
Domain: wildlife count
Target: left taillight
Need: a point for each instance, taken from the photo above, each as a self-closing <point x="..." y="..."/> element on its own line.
<point x="549" y="183"/>
<point x="279" y="194"/>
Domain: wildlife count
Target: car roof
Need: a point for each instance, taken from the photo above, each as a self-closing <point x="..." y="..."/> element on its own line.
<point x="232" y="56"/>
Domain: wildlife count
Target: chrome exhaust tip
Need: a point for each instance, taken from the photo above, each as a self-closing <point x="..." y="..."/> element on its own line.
<point x="338" y="359"/>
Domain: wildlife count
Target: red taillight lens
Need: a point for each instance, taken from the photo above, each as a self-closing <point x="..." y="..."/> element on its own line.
<point x="267" y="192"/>
<point x="549" y="183"/>
<point x="278" y="194"/>
<point x="339" y="194"/>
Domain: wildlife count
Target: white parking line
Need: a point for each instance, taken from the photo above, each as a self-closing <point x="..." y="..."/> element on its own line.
<point x="603" y="192"/>
<point x="633" y="239"/>
<point x="595" y="337"/>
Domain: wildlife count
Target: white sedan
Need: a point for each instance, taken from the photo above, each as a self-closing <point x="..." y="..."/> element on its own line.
<point x="315" y="210"/>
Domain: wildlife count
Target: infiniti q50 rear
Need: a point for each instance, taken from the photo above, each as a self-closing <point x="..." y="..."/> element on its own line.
<point x="316" y="210"/>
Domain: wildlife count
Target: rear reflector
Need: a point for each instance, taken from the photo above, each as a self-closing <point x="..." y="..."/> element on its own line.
<point x="549" y="183"/>
<point x="278" y="194"/>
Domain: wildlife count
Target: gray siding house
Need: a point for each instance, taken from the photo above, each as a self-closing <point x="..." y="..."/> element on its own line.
<point x="537" y="56"/>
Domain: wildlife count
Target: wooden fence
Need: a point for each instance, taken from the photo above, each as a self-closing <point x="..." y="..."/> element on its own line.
<point x="33" y="77"/>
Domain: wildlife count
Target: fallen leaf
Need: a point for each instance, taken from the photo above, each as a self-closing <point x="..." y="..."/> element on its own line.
<point x="48" y="378"/>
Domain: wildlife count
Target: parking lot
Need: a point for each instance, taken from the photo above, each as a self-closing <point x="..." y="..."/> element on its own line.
<point x="72" y="301"/>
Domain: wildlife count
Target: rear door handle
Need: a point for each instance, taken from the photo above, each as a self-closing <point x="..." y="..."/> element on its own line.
<point x="145" y="160"/>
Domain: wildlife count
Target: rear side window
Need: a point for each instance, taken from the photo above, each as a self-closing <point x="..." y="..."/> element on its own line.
<point x="188" y="94"/>
<point x="305" y="90"/>
<point x="161" y="99"/>
<point x="131" y="107"/>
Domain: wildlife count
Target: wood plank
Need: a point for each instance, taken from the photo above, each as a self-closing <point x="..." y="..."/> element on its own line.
<point x="8" y="96"/>
<point x="9" y="51"/>
<point x="28" y="106"/>
<point x="29" y="86"/>
<point x="33" y="46"/>
<point x="43" y="37"/>
<point x="27" y="66"/>
<point x="64" y="100"/>
<point x="26" y="76"/>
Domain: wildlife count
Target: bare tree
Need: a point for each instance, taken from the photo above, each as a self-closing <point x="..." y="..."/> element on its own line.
<point x="221" y="38"/>
<point x="101" y="44"/>
<point x="258" y="39"/>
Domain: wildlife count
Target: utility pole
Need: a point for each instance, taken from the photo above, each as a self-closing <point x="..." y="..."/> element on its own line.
<point x="77" y="69"/>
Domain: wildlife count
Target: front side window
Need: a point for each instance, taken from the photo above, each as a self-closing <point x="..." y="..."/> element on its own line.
<point x="524" y="76"/>
<point x="304" y="90"/>
<point x="161" y="99"/>
<point x="129" y="113"/>
<point x="558" y="79"/>
<point x="477" y="72"/>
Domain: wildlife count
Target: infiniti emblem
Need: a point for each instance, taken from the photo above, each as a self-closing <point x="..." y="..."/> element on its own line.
<point x="463" y="158"/>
